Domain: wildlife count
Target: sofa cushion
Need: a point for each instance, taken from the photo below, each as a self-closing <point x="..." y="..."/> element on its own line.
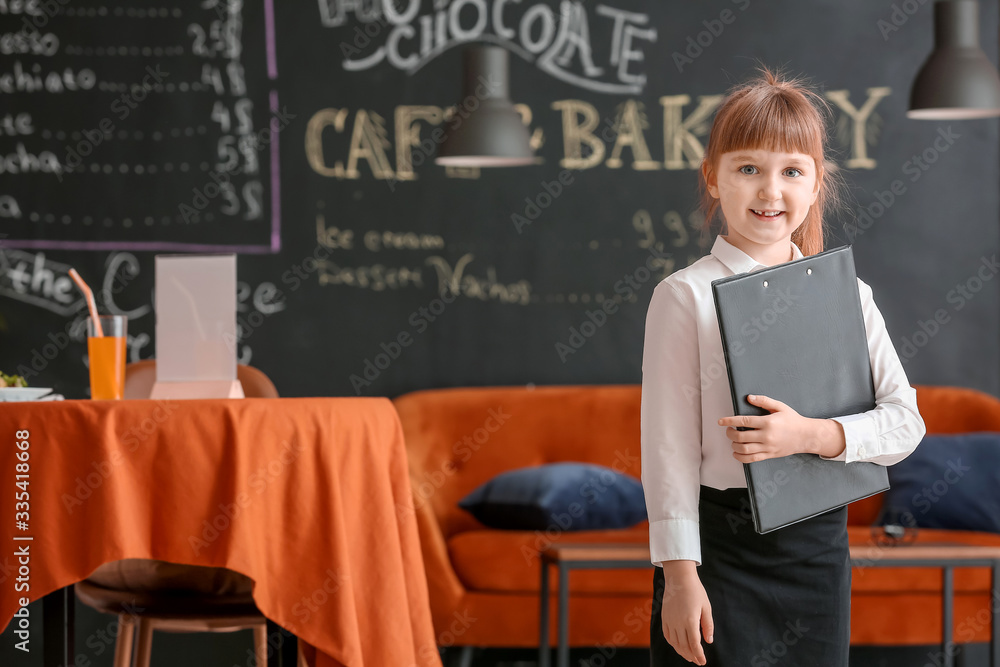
<point x="568" y="496"/>
<point x="949" y="481"/>
<point x="508" y="561"/>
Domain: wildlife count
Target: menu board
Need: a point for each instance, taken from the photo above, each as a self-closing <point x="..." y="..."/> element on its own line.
<point x="151" y="128"/>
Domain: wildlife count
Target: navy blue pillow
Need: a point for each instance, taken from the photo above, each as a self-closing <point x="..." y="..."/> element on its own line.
<point x="949" y="481"/>
<point x="566" y="496"/>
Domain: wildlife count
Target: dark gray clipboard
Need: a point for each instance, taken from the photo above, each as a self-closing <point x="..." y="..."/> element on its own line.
<point x="800" y="339"/>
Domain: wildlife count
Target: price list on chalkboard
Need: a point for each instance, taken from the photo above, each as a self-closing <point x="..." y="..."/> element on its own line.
<point x="139" y="127"/>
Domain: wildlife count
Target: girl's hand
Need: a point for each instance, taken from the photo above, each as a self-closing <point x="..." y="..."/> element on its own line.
<point x="686" y="614"/>
<point x="781" y="433"/>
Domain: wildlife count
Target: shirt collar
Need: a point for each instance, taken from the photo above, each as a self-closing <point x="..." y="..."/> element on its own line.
<point x="738" y="261"/>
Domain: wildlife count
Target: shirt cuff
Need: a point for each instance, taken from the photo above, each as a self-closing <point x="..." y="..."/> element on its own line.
<point x="674" y="539"/>
<point x="861" y="438"/>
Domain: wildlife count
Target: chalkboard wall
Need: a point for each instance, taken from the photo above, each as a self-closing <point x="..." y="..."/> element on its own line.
<point x="299" y="135"/>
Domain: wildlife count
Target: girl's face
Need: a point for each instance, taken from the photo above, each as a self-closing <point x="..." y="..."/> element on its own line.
<point x="752" y="183"/>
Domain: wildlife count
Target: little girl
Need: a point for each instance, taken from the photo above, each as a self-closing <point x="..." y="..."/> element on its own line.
<point x="724" y="595"/>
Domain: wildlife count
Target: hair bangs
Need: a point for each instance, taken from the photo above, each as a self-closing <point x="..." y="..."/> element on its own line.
<point x="774" y="123"/>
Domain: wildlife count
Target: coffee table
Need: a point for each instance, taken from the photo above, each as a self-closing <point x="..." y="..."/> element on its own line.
<point x="947" y="556"/>
<point x="579" y="556"/>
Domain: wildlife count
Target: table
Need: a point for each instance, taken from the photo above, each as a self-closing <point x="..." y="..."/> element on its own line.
<point x="574" y="557"/>
<point x="310" y="497"/>
<point x="948" y="556"/>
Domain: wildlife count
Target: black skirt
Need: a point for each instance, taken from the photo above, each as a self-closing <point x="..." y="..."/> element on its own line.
<point x="783" y="598"/>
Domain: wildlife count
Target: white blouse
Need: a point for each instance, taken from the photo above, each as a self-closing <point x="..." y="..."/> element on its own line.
<point x="685" y="386"/>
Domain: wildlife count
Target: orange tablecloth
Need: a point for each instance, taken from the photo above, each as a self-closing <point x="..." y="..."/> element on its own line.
<point x="310" y="497"/>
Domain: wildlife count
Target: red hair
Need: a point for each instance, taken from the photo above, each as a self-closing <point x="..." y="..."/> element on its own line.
<point x="773" y="113"/>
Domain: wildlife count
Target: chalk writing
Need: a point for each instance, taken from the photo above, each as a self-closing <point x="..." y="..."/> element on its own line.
<point x="624" y="138"/>
<point x="557" y="42"/>
<point x="33" y="279"/>
<point x="453" y="279"/>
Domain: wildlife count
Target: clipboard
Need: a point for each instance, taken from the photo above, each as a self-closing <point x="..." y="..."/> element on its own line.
<point x="796" y="332"/>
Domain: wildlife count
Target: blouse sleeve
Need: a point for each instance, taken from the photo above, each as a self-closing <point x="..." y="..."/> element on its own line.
<point x="670" y="424"/>
<point x="890" y="432"/>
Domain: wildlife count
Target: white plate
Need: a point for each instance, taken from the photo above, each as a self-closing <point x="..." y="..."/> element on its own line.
<point x="14" y="394"/>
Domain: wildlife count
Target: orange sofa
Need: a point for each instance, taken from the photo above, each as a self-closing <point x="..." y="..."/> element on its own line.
<point x="484" y="582"/>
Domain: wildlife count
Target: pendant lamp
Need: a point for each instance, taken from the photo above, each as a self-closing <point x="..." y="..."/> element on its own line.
<point x="957" y="81"/>
<point x="486" y="130"/>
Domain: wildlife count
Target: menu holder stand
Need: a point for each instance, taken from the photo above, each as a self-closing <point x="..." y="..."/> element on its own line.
<point x="196" y="334"/>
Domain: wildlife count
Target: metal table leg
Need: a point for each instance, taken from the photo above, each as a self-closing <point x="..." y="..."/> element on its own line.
<point x="57" y="628"/>
<point x="994" y="617"/>
<point x="947" y="565"/>
<point x="562" y="659"/>
<point x="946" y="620"/>
<point x="287" y="645"/>
<point x="543" y="615"/>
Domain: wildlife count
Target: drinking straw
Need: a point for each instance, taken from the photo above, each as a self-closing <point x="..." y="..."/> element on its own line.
<point x="90" y="301"/>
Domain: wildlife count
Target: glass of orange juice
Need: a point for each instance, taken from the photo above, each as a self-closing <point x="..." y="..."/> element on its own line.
<point x="107" y="357"/>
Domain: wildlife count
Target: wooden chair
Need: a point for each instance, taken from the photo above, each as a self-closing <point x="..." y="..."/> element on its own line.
<point x="140" y="376"/>
<point x="149" y="595"/>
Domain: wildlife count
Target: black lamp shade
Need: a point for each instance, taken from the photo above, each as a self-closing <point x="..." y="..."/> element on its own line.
<point x="957" y="81"/>
<point x="486" y="130"/>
